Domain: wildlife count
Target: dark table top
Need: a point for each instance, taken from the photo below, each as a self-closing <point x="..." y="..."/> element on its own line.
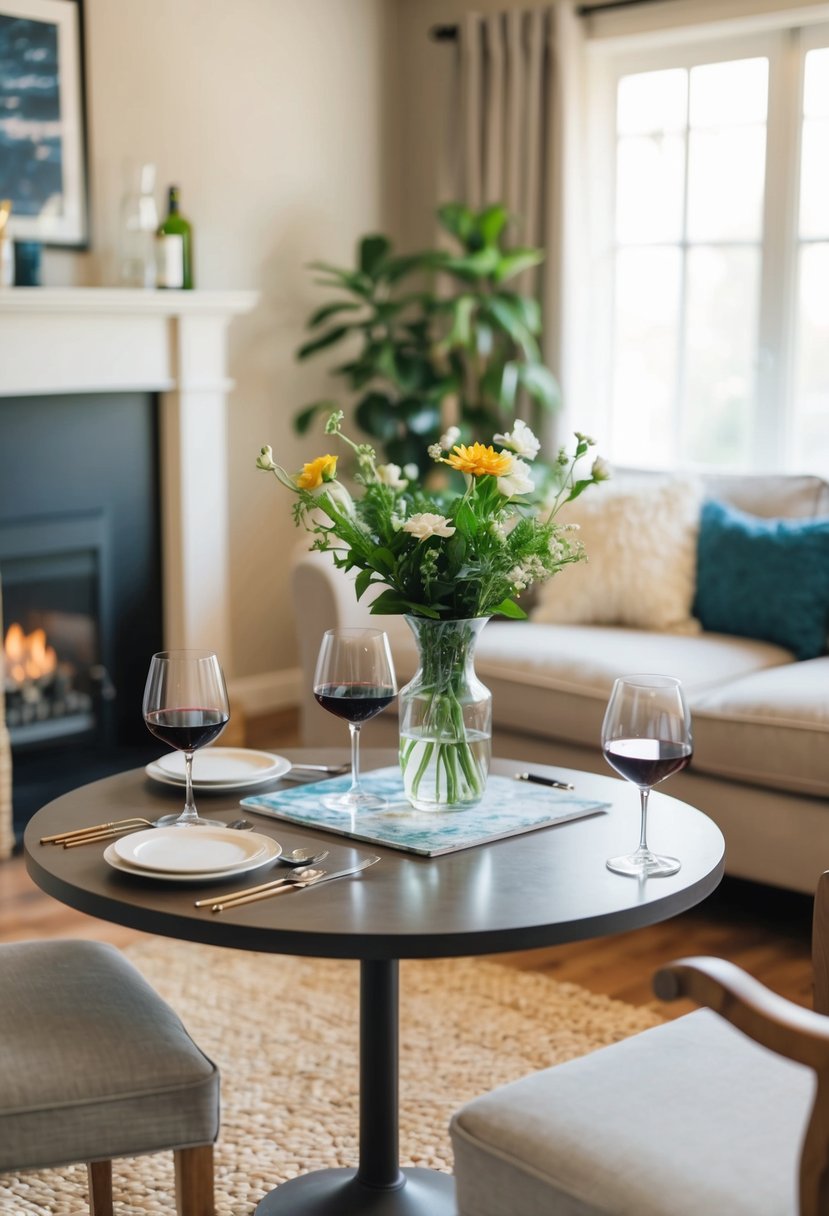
<point x="538" y="889"/>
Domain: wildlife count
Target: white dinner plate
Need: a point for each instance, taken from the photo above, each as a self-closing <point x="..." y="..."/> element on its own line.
<point x="199" y="850"/>
<point x="216" y="787"/>
<point x="223" y="766"/>
<point x="112" y="859"/>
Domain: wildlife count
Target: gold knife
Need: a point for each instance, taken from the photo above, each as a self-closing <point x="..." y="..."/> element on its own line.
<point x="276" y="888"/>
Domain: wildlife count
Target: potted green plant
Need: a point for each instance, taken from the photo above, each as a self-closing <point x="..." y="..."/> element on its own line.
<point x="435" y="337"/>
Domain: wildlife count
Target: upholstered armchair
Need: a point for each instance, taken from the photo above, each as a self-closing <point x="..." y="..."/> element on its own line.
<point x="724" y="1110"/>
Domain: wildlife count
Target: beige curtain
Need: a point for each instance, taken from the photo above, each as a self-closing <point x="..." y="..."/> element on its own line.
<point x="514" y="136"/>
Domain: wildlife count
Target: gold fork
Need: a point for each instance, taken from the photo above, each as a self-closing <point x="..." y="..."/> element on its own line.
<point x="79" y="835"/>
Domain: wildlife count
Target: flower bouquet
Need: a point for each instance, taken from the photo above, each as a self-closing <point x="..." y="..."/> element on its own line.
<point x="447" y="559"/>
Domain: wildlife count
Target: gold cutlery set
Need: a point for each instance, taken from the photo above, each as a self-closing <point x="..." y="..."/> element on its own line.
<point x="296" y="879"/>
<point x="98" y="831"/>
<point x="288" y="882"/>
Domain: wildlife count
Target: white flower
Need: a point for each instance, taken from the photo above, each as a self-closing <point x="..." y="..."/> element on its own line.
<point x="265" y="459"/>
<point x="516" y="480"/>
<point x="450" y="437"/>
<point x="389" y="475"/>
<point x="428" y="524"/>
<point x="397" y="522"/>
<point x="520" y="440"/>
<point x="410" y="471"/>
<point x="600" y="470"/>
<point x="435" y="451"/>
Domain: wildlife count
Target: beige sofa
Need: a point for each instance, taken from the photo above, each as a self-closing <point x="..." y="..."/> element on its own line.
<point x="761" y="719"/>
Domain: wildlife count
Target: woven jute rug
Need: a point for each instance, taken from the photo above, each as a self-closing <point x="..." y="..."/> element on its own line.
<point x="284" y="1032"/>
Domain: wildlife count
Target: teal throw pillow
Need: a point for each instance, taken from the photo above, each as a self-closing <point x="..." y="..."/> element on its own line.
<point x="764" y="578"/>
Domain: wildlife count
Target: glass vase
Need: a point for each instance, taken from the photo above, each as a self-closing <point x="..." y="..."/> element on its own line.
<point x="445" y="718"/>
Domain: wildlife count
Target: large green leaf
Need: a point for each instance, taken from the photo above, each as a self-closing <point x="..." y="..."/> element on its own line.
<point x="479" y="265"/>
<point x="329" y="338"/>
<point x="373" y="250"/>
<point x="511" y="320"/>
<point x="407" y="449"/>
<point x="350" y="279"/>
<point x="376" y="416"/>
<point x="512" y="263"/>
<point x="541" y="384"/>
<point x="332" y="310"/>
<point x="457" y="220"/>
<point x="509" y="608"/>
<point x="420" y="415"/>
<point x="306" y="416"/>
<point x="525" y="307"/>
<point x="491" y="223"/>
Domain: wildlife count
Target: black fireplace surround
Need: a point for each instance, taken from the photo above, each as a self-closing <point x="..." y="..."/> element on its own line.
<point x="80" y="560"/>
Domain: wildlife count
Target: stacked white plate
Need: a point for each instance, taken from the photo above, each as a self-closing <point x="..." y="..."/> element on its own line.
<point x="220" y="768"/>
<point x="180" y="854"/>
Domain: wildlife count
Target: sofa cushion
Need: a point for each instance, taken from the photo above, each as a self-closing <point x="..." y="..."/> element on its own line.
<point x="640" y="539"/>
<point x="685" y="1119"/>
<point x="770" y="728"/>
<point x="554" y="680"/>
<point x="764" y="578"/>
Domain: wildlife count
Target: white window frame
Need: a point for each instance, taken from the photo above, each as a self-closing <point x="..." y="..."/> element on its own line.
<point x="785" y="49"/>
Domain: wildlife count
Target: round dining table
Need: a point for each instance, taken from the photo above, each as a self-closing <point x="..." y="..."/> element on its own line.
<point x="540" y="888"/>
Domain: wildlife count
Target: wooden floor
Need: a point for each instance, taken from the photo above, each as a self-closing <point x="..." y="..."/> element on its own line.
<point x="762" y="929"/>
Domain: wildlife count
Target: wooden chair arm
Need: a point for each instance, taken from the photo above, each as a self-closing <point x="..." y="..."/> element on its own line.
<point x="791" y="1031"/>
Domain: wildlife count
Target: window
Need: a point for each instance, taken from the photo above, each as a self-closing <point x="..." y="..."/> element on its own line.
<point x="710" y="240"/>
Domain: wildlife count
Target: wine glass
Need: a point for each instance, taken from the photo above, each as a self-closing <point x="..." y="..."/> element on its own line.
<point x="355" y="680"/>
<point x="646" y="736"/>
<point x="185" y="705"/>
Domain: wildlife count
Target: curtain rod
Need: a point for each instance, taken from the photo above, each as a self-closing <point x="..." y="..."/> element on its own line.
<point x="449" y="33"/>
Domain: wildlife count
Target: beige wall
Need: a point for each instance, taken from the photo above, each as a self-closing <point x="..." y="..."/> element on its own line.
<point x="274" y="118"/>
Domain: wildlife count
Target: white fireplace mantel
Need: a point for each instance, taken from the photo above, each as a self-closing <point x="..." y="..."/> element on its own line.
<point x="90" y="340"/>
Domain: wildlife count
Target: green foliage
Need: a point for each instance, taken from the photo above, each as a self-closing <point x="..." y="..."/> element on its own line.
<point x="442" y="553"/>
<point x="463" y="334"/>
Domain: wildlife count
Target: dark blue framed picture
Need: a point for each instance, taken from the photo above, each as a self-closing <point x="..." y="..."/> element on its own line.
<point x="43" y="143"/>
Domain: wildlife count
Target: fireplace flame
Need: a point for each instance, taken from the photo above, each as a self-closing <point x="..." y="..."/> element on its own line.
<point x="27" y="655"/>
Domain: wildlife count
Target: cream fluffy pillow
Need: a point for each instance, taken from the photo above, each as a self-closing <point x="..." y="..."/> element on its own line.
<point x="640" y="538"/>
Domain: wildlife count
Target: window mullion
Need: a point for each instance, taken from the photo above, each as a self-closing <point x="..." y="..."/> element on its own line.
<point x="775" y="339"/>
<point x="680" y="403"/>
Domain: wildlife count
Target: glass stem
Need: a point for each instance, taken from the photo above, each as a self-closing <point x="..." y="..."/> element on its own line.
<point x="643" y="824"/>
<point x="354" y="729"/>
<point x="189" y="814"/>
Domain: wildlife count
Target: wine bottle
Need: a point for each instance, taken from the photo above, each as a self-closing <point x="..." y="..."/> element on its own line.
<point x="174" y="246"/>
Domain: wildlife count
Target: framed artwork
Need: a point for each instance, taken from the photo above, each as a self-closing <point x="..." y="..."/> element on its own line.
<point x="43" y="121"/>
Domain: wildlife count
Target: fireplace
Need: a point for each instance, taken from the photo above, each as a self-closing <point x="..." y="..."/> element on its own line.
<point x="136" y="587"/>
<point x="80" y="566"/>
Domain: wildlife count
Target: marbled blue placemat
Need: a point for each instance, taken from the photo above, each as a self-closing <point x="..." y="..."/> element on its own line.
<point x="508" y="808"/>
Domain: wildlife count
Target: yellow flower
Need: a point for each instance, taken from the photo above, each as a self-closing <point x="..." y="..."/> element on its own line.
<point x="313" y="474"/>
<point x="479" y="460"/>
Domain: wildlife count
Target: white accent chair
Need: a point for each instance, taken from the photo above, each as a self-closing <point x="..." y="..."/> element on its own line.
<point x="697" y="1117"/>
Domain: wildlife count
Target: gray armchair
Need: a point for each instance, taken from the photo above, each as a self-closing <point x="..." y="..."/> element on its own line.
<point x="727" y="1115"/>
<point x="94" y="1065"/>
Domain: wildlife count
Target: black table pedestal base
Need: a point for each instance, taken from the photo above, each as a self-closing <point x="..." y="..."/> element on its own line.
<point x="339" y="1193"/>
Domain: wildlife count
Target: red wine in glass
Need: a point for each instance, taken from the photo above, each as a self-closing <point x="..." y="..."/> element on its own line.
<point x="355" y="702"/>
<point x="646" y="737"/>
<point x="354" y="680"/>
<point x="186" y="729"/>
<point x="646" y="762"/>
<point x="185" y="705"/>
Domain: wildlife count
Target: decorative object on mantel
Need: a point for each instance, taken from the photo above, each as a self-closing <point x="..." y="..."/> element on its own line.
<point x="174" y="247"/>
<point x="43" y="168"/>
<point x="447" y="560"/>
<point x="27" y="263"/>
<point x="139" y="221"/>
<point x="465" y="349"/>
